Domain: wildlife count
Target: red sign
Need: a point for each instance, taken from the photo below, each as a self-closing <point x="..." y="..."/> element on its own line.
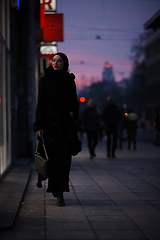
<point x="53" y="28"/>
<point x="48" y="3"/>
<point x="42" y="15"/>
<point x="49" y="57"/>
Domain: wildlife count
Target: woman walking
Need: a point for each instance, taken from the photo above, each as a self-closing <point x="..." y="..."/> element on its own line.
<point x="56" y="113"/>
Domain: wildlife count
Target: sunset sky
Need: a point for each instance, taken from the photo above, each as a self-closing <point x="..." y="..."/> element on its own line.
<point x="99" y="31"/>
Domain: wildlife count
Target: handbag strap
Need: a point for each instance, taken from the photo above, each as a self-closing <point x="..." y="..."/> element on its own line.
<point x="44" y="148"/>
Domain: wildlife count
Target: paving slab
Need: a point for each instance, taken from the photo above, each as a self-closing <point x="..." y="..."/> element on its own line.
<point x="71" y="235"/>
<point x="121" y="235"/>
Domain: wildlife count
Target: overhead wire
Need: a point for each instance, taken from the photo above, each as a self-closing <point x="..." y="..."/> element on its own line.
<point x="114" y="34"/>
<point x="122" y="30"/>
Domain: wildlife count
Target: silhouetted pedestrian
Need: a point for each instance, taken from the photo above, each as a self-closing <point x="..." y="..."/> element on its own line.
<point x="57" y="110"/>
<point x="91" y="120"/>
<point x="131" y="126"/>
<point x="111" y="117"/>
<point x="157" y="127"/>
<point x="121" y="127"/>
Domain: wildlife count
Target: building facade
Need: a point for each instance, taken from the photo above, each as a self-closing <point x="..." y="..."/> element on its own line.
<point x="18" y="76"/>
<point x="153" y="65"/>
<point x="5" y="87"/>
<point x="24" y="54"/>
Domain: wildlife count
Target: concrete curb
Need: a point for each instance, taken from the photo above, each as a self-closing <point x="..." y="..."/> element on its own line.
<point x="12" y="192"/>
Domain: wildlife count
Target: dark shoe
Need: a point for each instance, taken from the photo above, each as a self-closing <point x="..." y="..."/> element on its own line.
<point x="108" y="155"/>
<point x="60" y="200"/>
<point x="91" y="156"/>
<point x="113" y="156"/>
<point x="39" y="184"/>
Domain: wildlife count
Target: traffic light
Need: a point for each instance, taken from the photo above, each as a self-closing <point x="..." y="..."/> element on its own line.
<point x="82" y="99"/>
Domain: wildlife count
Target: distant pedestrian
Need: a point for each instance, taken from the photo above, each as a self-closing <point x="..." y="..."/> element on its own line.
<point x="111" y="117"/>
<point x="131" y="126"/>
<point x="121" y="128"/>
<point x="56" y="113"/>
<point x="157" y="127"/>
<point x="91" y="120"/>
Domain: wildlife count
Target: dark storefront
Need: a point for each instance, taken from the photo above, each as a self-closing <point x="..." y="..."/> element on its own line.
<point x="153" y="66"/>
<point x="17" y="80"/>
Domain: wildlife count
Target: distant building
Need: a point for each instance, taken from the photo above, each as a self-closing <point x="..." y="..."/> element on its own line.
<point x="153" y="65"/>
<point x="124" y="83"/>
<point x="107" y="74"/>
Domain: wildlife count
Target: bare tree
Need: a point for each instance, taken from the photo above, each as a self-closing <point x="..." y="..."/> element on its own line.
<point x="138" y="92"/>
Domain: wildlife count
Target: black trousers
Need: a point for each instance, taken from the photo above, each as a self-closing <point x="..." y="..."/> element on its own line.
<point x="130" y="139"/>
<point x="92" y="137"/>
<point x="111" y="148"/>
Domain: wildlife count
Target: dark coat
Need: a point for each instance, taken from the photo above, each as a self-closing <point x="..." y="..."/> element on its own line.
<point x="131" y="124"/>
<point x="111" y="117"/>
<point x="90" y="118"/>
<point x="57" y="97"/>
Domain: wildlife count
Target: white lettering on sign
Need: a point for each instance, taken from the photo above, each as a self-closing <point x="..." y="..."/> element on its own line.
<point x="48" y="49"/>
<point x="49" y="5"/>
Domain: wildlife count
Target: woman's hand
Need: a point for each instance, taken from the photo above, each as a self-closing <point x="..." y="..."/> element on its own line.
<point x="40" y="133"/>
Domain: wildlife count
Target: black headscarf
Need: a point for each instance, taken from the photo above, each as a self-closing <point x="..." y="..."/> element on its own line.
<point x="65" y="60"/>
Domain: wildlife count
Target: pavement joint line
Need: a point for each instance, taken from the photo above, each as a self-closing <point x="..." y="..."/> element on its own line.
<point x="152" y="204"/>
<point x="84" y="211"/>
<point x="143" y="179"/>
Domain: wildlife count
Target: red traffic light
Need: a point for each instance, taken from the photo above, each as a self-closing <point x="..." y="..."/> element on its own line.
<point x="82" y="99"/>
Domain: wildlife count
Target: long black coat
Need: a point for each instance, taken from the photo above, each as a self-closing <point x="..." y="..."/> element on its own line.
<point x="131" y="124"/>
<point x="90" y="118"/>
<point x="57" y="97"/>
<point x="111" y="117"/>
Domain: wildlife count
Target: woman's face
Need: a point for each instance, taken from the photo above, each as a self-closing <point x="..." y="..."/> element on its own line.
<point x="58" y="63"/>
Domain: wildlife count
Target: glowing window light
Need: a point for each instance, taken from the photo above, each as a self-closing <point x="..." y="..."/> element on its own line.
<point x="126" y="114"/>
<point x="82" y="99"/>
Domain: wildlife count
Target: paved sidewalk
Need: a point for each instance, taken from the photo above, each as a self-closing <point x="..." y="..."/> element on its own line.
<point x="109" y="199"/>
